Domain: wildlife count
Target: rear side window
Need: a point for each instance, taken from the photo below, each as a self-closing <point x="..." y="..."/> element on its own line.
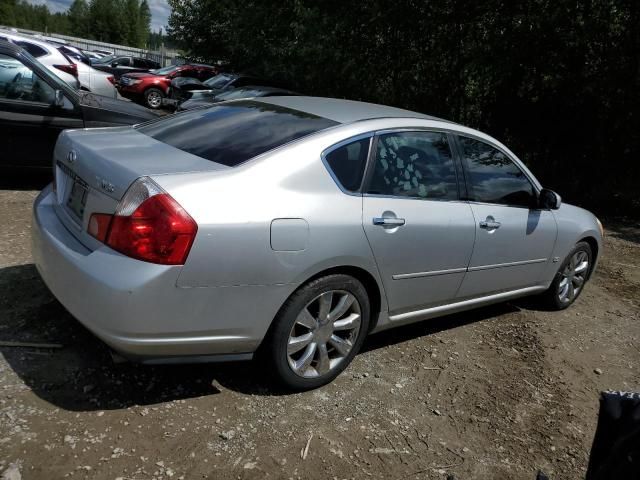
<point x="347" y="163"/>
<point x="493" y="177"/>
<point x="414" y="165"/>
<point x="34" y="50"/>
<point x="233" y="133"/>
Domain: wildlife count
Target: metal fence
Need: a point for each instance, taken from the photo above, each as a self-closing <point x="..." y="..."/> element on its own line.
<point x="163" y="56"/>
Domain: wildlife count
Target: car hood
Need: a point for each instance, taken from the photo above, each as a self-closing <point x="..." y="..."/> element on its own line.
<point x="111" y="111"/>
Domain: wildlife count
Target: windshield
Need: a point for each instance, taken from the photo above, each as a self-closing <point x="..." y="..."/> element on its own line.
<point x="107" y="59"/>
<point x="218" y="81"/>
<point x="165" y="70"/>
<point x="239" y="93"/>
<point x="235" y="132"/>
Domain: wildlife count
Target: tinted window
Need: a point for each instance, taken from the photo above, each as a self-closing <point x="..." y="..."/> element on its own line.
<point x="347" y="163"/>
<point x="123" y="61"/>
<point x="414" y="164"/>
<point x="140" y="63"/>
<point x="233" y="133"/>
<point x="18" y="82"/>
<point x="34" y="50"/>
<point x="218" y="81"/>
<point x="493" y="177"/>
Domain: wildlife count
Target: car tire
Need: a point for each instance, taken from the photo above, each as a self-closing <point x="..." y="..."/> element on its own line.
<point x="301" y="348"/>
<point x="571" y="278"/>
<point x="153" y="98"/>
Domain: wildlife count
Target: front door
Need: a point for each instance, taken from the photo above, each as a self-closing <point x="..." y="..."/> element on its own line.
<point x="420" y="233"/>
<point x="28" y="118"/>
<point x="514" y="238"/>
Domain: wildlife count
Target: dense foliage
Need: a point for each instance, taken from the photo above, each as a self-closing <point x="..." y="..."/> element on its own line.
<point x="124" y="22"/>
<point x="557" y="81"/>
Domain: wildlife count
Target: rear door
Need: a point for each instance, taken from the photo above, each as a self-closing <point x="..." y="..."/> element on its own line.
<point x="29" y="121"/>
<point x="420" y="232"/>
<point x="514" y="238"/>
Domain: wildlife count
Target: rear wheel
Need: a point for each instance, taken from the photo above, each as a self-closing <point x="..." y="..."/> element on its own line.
<point x="570" y="279"/>
<point x="153" y="98"/>
<point x="318" y="331"/>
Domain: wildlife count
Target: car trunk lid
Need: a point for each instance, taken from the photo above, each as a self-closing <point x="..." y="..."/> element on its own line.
<point x="94" y="170"/>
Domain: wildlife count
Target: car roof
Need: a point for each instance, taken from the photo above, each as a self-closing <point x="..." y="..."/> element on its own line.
<point x="343" y="111"/>
<point x="26" y="38"/>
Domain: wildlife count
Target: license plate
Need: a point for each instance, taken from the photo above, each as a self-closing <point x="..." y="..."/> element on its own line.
<point x="78" y="198"/>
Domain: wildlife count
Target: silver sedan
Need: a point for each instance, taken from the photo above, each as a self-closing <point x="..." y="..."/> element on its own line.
<point x="292" y="227"/>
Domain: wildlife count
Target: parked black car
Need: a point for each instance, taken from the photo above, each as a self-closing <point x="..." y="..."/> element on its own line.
<point x="181" y="87"/>
<point x="35" y="105"/>
<point x="206" y="97"/>
<point x="120" y="64"/>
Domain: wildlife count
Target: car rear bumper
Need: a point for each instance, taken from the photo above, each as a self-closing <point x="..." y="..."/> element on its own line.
<point x="137" y="309"/>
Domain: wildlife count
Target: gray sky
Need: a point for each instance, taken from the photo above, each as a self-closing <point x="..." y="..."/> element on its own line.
<point x="159" y="10"/>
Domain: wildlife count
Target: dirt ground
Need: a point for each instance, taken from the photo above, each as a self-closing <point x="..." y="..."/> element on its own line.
<point x="496" y="393"/>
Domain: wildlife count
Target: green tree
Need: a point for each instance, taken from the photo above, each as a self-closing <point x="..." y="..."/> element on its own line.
<point x="143" y="23"/>
<point x="79" y="18"/>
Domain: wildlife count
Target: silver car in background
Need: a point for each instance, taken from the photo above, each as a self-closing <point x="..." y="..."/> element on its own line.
<point x="69" y="69"/>
<point x="292" y="227"/>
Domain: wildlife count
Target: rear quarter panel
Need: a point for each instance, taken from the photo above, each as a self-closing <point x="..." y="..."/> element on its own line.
<point x="235" y="210"/>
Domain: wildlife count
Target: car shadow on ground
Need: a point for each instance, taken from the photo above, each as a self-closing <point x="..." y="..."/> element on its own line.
<point x="34" y="179"/>
<point x="81" y="375"/>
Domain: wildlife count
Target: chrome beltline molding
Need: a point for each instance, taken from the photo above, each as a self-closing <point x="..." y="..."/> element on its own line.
<point x="402" y="276"/>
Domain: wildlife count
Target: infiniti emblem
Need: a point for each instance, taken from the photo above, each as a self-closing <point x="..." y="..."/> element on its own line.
<point x="72" y="156"/>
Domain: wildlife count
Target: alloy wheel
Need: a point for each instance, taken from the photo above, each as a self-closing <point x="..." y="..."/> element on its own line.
<point x="573" y="277"/>
<point x="154" y="99"/>
<point x="324" y="333"/>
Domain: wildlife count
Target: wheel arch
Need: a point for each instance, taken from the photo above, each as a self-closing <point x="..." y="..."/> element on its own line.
<point x="595" y="250"/>
<point x="363" y="276"/>
<point x="368" y="280"/>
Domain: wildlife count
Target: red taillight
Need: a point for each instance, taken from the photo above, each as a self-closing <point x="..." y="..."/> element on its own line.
<point x="148" y="225"/>
<point x="111" y="79"/>
<point x="71" y="69"/>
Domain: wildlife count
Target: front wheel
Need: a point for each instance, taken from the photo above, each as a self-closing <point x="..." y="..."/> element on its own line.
<point x="571" y="278"/>
<point x="153" y="98"/>
<point x="318" y="331"/>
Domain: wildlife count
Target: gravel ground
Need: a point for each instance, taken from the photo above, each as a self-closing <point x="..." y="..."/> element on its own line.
<point x="496" y="393"/>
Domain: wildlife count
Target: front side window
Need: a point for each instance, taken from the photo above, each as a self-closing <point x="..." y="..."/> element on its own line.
<point x="123" y="61"/>
<point x="348" y="162"/>
<point x="414" y="165"/>
<point x="492" y="177"/>
<point x="19" y="82"/>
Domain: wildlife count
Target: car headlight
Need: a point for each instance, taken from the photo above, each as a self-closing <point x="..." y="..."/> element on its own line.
<point x="600" y="227"/>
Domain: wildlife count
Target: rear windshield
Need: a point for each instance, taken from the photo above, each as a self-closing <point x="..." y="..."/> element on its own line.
<point x="233" y="133"/>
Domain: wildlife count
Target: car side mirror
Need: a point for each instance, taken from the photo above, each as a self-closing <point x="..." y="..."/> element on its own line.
<point x="548" y="199"/>
<point x="114" y="64"/>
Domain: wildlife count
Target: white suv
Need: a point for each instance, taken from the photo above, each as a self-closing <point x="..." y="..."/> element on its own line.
<point x="73" y="72"/>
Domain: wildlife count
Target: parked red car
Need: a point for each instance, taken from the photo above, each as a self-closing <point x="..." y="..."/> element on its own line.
<point x="150" y="88"/>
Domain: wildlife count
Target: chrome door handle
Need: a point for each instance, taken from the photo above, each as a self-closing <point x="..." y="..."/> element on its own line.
<point x="388" y="221"/>
<point x="489" y="224"/>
